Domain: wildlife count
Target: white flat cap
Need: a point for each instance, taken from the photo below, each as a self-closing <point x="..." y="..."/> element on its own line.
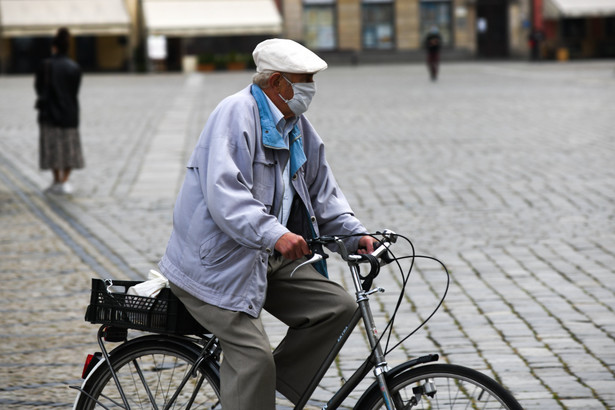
<point x="288" y="56"/>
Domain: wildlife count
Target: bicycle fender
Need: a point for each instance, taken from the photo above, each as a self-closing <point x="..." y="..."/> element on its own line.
<point x="375" y="388"/>
<point x="82" y="386"/>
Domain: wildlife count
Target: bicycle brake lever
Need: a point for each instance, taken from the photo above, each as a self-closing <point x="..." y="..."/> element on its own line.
<point x="316" y="258"/>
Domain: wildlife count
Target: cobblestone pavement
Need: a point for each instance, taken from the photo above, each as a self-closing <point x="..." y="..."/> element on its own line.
<point x="504" y="171"/>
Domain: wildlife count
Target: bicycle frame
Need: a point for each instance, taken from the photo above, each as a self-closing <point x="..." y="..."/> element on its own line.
<point x="376" y="359"/>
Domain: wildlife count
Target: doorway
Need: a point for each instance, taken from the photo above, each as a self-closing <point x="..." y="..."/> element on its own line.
<point x="492" y="28"/>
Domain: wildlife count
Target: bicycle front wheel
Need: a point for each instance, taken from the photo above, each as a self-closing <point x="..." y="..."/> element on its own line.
<point x="150" y="373"/>
<point x="443" y="386"/>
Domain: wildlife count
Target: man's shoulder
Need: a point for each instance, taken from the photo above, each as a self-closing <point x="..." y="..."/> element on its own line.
<point x="241" y="95"/>
<point x="233" y="116"/>
<point x="240" y="100"/>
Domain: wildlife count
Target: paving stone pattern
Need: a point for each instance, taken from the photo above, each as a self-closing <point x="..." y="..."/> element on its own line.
<point x="504" y="171"/>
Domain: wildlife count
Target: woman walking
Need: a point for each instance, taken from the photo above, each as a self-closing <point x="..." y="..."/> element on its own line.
<point x="57" y="87"/>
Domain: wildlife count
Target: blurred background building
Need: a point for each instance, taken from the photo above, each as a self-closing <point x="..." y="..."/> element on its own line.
<point x="174" y="35"/>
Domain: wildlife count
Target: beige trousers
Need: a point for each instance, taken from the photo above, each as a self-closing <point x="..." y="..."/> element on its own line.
<point x="314" y="308"/>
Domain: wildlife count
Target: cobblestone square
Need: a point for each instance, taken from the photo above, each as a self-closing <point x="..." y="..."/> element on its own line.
<point x="503" y="171"/>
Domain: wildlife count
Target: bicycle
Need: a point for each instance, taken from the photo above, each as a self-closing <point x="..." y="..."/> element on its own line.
<point x="178" y="365"/>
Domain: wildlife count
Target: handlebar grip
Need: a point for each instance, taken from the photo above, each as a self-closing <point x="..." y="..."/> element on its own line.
<point x="382" y="252"/>
<point x="373" y="271"/>
<point x="386" y="258"/>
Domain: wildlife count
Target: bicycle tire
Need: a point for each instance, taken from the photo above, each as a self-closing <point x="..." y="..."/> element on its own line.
<point x="162" y="365"/>
<point x="457" y="387"/>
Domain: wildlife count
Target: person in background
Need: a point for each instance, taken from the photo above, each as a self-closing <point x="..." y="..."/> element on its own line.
<point x="57" y="87"/>
<point x="535" y="39"/>
<point x="256" y="187"/>
<point x="433" y="43"/>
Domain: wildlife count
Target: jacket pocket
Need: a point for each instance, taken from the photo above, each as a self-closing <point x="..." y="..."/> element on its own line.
<point x="263" y="187"/>
<point x="221" y="252"/>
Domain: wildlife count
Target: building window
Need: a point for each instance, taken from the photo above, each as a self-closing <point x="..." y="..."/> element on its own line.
<point x="319" y="24"/>
<point x="437" y="13"/>
<point x="378" y="24"/>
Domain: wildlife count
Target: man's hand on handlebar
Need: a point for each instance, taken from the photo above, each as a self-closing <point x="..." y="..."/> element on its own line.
<point x="292" y="246"/>
<point x="366" y="245"/>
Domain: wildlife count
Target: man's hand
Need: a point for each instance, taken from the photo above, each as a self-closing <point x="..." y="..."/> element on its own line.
<point x="292" y="246"/>
<point x="366" y="244"/>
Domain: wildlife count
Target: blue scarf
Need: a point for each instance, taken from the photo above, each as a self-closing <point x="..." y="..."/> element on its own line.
<point x="272" y="137"/>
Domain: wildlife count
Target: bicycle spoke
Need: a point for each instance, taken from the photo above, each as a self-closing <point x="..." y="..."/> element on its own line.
<point x="145" y="385"/>
<point x="117" y="404"/>
<point x="155" y="375"/>
<point x="442" y="386"/>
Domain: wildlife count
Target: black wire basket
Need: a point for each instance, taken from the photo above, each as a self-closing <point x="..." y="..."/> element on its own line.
<point x="110" y="305"/>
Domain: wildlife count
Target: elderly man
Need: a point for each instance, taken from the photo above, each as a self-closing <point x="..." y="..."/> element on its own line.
<point x="258" y="184"/>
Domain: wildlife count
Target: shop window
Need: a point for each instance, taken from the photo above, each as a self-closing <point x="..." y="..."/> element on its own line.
<point x="87" y="53"/>
<point x="574" y="28"/>
<point x="28" y="52"/>
<point x="609" y="26"/>
<point x="437" y="13"/>
<point x="319" y="24"/>
<point x="607" y="44"/>
<point x="573" y="34"/>
<point x="378" y="30"/>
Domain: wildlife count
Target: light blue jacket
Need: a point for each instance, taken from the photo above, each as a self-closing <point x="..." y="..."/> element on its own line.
<point x="224" y="223"/>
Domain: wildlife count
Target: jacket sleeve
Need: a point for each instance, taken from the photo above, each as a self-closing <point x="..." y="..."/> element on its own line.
<point x="224" y="156"/>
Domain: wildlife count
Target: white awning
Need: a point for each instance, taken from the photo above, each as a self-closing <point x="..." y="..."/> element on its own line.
<point x="554" y="9"/>
<point x="20" y="18"/>
<point x="190" y="18"/>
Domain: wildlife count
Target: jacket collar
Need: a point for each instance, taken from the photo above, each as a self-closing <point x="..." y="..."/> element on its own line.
<point x="272" y="137"/>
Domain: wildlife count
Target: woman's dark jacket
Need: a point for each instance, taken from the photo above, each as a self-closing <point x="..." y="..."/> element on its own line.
<point x="57" y="85"/>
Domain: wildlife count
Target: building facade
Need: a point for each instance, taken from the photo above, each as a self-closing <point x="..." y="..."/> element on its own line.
<point x="133" y="35"/>
<point x="129" y="35"/>
<point x="469" y="28"/>
<point x="575" y="29"/>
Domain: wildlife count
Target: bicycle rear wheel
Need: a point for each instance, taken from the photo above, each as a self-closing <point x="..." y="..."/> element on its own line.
<point x="442" y="386"/>
<point x="150" y="372"/>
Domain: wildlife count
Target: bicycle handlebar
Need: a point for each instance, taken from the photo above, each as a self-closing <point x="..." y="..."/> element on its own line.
<point x="380" y="252"/>
<point x="381" y="246"/>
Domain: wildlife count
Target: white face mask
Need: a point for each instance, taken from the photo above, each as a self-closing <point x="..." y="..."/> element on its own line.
<point x="303" y="94"/>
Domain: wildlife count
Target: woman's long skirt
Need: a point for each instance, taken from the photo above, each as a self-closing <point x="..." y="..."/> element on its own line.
<point x="60" y="148"/>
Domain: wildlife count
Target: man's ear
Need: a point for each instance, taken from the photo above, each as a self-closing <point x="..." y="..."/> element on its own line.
<point x="274" y="80"/>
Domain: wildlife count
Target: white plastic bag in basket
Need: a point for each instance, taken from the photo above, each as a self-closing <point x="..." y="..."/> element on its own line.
<point x="150" y="288"/>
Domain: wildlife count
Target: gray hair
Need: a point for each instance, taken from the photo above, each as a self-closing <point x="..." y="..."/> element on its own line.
<point x="262" y="79"/>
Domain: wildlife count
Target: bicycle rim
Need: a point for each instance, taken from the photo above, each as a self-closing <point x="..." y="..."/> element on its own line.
<point x="150" y="373"/>
<point x="444" y="386"/>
